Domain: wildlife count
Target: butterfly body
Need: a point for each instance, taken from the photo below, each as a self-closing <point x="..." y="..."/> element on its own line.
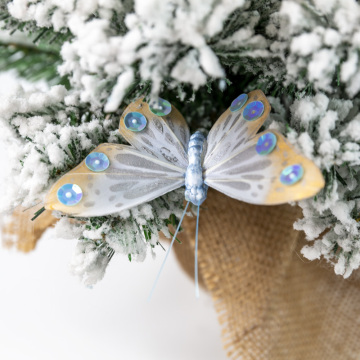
<point x="195" y="188"/>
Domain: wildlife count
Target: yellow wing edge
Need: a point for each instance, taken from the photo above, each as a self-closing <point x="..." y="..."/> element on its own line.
<point x="142" y="107"/>
<point x="285" y="155"/>
<point x="51" y="201"/>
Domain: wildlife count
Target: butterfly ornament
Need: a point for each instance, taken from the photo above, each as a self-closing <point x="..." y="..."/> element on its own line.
<point x="258" y="168"/>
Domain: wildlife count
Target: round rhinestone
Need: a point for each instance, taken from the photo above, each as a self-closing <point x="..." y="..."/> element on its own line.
<point x="253" y="110"/>
<point x="97" y="161"/>
<point x="161" y="107"/>
<point x="291" y="174"/>
<point x="135" y="121"/>
<point x="238" y="103"/>
<point x="70" y="194"/>
<point x="266" y="144"/>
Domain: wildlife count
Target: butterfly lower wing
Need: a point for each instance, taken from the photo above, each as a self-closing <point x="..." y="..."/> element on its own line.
<point x="132" y="178"/>
<point x="164" y="137"/>
<point x="231" y="130"/>
<point x="255" y="178"/>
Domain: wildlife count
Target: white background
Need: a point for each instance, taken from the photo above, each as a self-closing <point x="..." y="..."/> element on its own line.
<point x="45" y="313"/>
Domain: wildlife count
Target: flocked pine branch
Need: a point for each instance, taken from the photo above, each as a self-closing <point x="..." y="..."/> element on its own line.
<point x="51" y="133"/>
<point x="199" y="55"/>
<point x="31" y="62"/>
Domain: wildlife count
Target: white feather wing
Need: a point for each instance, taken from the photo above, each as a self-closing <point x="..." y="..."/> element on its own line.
<point x="131" y="179"/>
<point x="231" y="131"/>
<point x="165" y="138"/>
<point x="255" y="178"/>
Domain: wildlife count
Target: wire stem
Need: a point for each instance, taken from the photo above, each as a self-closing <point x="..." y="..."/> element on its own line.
<point x="168" y="252"/>
<point x="197" y="292"/>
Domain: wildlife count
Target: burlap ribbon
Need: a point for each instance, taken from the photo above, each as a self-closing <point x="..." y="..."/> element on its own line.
<point x="18" y="230"/>
<point x="272" y="304"/>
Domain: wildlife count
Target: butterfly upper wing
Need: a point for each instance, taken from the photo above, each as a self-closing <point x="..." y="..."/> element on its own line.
<point x="132" y="178"/>
<point x="164" y="138"/>
<point x="254" y="178"/>
<point x="231" y="131"/>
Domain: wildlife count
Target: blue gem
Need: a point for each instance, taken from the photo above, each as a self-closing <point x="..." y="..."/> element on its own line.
<point x="70" y="194"/>
<point x="291" y="174"/>
<point x="97" y="161"/>
<point x="135" y="121"/>
<point x="160" y="107"/>
<point x="253" y="110"/>
<point x="238" y="103"/>
<point x="266" y="144"/>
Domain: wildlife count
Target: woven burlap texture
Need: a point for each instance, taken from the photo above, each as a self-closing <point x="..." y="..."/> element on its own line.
<point x="271" y="302"/>
<point x="18" y="230"/>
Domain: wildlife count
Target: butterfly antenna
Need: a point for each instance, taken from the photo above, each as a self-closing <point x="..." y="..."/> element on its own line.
<point x="167" y="253"/>
<point x="197" y="293"/>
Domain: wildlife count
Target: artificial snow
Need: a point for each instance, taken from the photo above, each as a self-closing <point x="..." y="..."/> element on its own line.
<point x="311" y="47"/>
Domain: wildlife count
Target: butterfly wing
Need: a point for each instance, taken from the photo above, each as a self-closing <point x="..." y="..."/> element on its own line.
<point x="256" y="178"/>
<point x="132" y="178"/>
<point x="231" y="130"/>
<point x="164" y="137"/>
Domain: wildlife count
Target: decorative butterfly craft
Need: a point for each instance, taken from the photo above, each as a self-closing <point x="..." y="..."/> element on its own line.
<point x="256" y="168"/>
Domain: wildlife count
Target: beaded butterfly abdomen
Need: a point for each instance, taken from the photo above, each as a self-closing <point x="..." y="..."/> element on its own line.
<point x="256" y="168"/>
